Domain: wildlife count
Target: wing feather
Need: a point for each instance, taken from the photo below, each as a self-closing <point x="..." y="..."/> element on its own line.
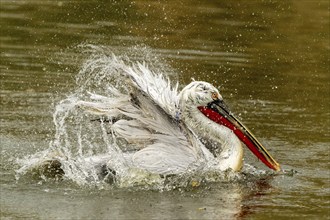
<point x="156" y="86"/>
<point x="165" y="159"/>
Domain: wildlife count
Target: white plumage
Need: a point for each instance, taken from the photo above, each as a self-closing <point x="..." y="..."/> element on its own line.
<point x="164" y="129"/>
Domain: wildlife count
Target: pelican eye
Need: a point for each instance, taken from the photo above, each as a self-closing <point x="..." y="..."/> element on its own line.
<point x="215" y="96"/>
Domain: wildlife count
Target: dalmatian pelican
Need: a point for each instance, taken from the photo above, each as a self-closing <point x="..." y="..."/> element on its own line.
<point x="172" y="132"/>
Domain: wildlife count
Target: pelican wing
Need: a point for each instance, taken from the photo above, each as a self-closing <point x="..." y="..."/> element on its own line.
<point x="163" y="145"/>
<point x="145" y="118"/>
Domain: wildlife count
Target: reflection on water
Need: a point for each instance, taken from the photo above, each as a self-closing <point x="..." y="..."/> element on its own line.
<point x="270" y="60"/>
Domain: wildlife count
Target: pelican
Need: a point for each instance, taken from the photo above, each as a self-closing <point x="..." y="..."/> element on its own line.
<point x="167" y="131"/>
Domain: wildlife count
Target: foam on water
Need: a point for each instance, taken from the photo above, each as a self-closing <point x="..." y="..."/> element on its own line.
<point x="84" y="143"/>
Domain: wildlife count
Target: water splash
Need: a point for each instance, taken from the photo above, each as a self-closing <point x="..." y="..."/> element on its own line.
<point x="85" y="149"/>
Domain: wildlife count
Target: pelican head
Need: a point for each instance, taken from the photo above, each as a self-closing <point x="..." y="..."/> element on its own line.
<point x="198" y="93"/>
<point x="204" y="111"/>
